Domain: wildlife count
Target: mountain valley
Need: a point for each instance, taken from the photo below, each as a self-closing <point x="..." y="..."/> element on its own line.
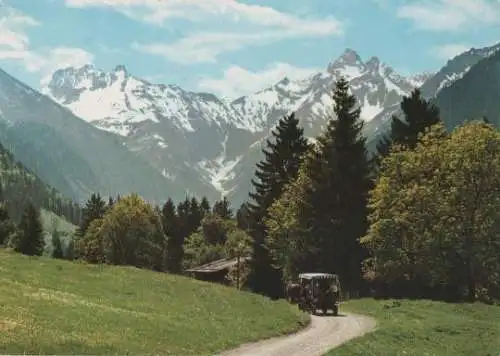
<point x="164" y="141"/>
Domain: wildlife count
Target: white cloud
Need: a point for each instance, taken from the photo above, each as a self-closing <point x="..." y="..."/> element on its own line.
<point x="15" y="46"/>
<point x="13" y="39"/>
<point x="244" y="25"/>
<point x="48" y="62"/>
<point x="237" y="81"/>
<point x="205" y="47"/>
<point x="450" y="50"/>
<point x="157" y="11"/>
<point x="451" y="15"/>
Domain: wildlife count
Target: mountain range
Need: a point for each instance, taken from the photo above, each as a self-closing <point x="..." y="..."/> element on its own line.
<point x="90" y="130"/>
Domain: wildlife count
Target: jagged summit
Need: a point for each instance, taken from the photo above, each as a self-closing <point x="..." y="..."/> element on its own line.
<point x="348" y="59"/>
<point x="373" y="63"/>
<point x="120" y="68"/>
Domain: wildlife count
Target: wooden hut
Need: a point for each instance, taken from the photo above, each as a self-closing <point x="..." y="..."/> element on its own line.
<point x="215" y="271"/>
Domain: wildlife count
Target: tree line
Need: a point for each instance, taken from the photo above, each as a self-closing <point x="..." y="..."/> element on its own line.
<point x="170" y="238"/>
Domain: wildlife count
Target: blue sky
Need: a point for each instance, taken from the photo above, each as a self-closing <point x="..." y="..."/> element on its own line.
<point x="234" y="47"/>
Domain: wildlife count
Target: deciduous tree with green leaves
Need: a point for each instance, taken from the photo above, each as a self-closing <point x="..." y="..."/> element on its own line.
<point x="238" y="245"/>
<point x="289" y="239"/>
<point x="130" y="233"/>
<point x="435" y="214"/>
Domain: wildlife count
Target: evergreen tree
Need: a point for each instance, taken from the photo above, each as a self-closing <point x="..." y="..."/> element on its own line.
<point x="195" y="215"/>
<point x="94" y="209"/>
<point x="170" y="223"/>
<point x="282" y="158"/>
<point x="69" y="252"/>
<point x="111" y="202"/>
<point x="223" y="209"/>
<point x="169" y="218"/>
<point x="339" y="172"/>
<point x="183" y="217"/>
<point x="204" y="207"/>
<point x="243" y="217"/>
<point x="175" y="243"/>
<point x="354" y="183"/>
<point x="29" y="240"/>
<point x="419" y="114"/>
<point x="7" y="226"/>
<point x="57" y="248"/>
<point x="383" y="147"/>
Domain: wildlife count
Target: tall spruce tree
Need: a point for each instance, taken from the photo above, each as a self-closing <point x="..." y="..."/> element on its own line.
<point x="419" y="114"/>
<point x="57" y="248"/>
<point x="7" y="226"/>
<point x="111" y="202"/>
<point x="243" y="217"/>
<point x="223" y="208"/>
<point x="69" y="251"/>
<point x="170" y="223"/>
<point x="183" y="209"/>
<point x="29" y="239"/>
<point x="282" y="158"/>
<point x="340" y="172"/>
<point x="95" y="208"/>
<point x="204" y="207"/>
<point x="195" y="215"/>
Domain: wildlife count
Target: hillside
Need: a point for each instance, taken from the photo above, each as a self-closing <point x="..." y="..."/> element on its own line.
<point x="81" y="158"/>
<point x="422" y="327"/>
<point x="59" y="307"/>
<point x="453" y="70"/>
<point x="473" y="96"/>
<point x="19" y="186"/>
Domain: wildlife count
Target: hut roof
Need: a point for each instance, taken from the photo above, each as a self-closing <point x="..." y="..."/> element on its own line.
<point x="216" y="266"/>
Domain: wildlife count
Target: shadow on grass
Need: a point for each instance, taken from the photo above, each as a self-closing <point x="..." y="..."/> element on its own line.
<point x="67" y="348"/>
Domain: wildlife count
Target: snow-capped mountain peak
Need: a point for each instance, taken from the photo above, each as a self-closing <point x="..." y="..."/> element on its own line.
<point x="373" y="64"/>
<point x="349" y="64"/>
<point x="119" y="102"/>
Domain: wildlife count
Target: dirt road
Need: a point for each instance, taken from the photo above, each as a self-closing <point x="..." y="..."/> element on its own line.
<point x="324" y="334"/>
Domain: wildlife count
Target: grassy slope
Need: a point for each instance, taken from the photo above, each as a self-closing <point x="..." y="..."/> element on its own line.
<point x="58" y="307"/>
<point x="426" y="328"/>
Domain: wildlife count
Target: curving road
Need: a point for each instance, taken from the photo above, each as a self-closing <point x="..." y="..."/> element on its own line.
<point x="323" y="334"/>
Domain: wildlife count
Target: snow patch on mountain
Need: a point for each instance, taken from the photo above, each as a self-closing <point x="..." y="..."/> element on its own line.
<point x="369" y="111"/>
<point x="219" y="172"/>
<point x="115" y="100"/>
<point x="451" y="78"/>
